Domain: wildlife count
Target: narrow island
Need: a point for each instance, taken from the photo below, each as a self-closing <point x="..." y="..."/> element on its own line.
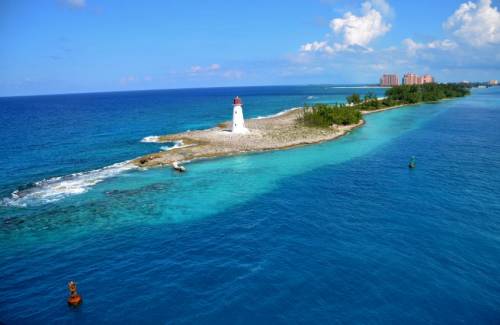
<point x="296" y="127"/>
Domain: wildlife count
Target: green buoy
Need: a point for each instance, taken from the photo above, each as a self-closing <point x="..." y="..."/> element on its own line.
<point x="413" y="163"/>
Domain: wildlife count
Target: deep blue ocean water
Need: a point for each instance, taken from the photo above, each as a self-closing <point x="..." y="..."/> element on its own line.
<point x="340" y="232"/>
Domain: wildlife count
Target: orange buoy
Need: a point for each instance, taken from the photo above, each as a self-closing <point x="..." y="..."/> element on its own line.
<point x="74" y="298"/>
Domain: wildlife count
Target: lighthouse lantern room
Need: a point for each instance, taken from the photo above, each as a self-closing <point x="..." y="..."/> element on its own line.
<point x="238" y="120"/>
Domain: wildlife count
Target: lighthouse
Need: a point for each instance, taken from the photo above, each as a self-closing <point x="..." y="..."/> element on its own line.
<point x="238" y="120"/>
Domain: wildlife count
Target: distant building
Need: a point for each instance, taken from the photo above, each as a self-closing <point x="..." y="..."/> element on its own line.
<point x="389" y="80"/>
<point x="410" y="79"/>
<point x="427" y="79"/>
<point x="413" y="79"/>
<point x="493" y="82"/>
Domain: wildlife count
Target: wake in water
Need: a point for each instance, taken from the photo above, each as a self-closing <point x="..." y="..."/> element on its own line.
<point x="57" y="188"/>
<point x="277" y="114"/>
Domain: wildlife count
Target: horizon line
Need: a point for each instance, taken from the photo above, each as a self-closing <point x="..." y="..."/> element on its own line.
<point x="187" y="88"/>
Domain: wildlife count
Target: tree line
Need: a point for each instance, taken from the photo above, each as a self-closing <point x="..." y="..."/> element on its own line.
<point x="326" y="115"/>
<point x="408" y="94"/>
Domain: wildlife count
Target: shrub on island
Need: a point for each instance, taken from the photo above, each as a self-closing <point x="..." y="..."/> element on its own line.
<point x="326" y="115"/>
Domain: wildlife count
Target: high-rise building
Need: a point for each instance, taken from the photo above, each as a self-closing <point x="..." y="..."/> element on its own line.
<point x="389" y="80"/>
<point x="410" y="79"/>
<point x="413" y="79"/>
<point x="427" y="79"/>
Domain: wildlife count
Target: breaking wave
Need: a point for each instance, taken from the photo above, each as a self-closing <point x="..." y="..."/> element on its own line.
<point x="177" y="144"/>
<point x="57" y="188"/>
<point x="151" y="138"/>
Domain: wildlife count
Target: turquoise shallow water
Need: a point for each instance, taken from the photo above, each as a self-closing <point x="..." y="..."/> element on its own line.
<point x="336" y="232"/>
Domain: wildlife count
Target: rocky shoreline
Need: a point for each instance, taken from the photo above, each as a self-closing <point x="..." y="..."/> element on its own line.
<point x="272" y="133"/>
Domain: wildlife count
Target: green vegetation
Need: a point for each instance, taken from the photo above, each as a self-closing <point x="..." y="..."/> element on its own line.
<point x="326" y="115"/>
<point x="426" y="93"/>
<point x="410" y="94"/>
<point x="353" y="99"/>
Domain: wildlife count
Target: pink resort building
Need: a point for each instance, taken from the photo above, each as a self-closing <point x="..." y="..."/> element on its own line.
<point x="413" y="79"/>
<point x="389" y="80"/>
<point x="410" y="79"/>
<point x="427" y="79"/>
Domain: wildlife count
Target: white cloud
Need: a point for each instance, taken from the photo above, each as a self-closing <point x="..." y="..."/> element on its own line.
<point x="316" y="47"/>
<point x="445" y="45"/>
<point x="75" y="3"/>
<point x="355" y="31"/>
<point x="128" y="80"/>
<point x="476" y="23"/>
<point x="383" y="7"/>
<point x="360" y="30"/>
<point x="195" y="69"/>
<point x="413" y="47"/>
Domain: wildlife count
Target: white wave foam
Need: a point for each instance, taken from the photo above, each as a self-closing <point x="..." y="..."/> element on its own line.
<point x="311" y="97"/>
<point x="177" y="144"/>
<point x="151" y="138"/>
<point x="277" y="114"/>
<point x="57" y="188"/>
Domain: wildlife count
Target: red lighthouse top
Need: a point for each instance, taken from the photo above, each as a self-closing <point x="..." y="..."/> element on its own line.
<point x="237" y="101"/>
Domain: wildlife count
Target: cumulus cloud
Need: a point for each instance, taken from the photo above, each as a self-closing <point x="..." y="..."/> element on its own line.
<point x="470" y="47"/>
<point x="476" y="23"/>
<point x="317" y="47"/>
<point x="413" y="47"/>
<point x="355" y="31"/>
<point x="383" y="7"/>
<point x="360" y="30"/>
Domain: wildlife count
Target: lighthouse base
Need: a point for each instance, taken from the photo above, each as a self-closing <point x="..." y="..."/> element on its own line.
<point x="240" y="131"/>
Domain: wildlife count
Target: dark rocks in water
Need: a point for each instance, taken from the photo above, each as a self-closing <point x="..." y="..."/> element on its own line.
<point x="13" y="220"/>
<point x="149" y="188"/>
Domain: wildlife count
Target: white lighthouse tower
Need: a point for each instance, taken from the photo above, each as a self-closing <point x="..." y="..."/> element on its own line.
<point x="238" y="120"/>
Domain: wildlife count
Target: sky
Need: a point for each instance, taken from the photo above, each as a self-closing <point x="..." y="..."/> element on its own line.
<point x="71" y="46"/>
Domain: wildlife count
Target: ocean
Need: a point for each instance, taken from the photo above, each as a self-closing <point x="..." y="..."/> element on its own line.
<point x="339" y="232"/>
